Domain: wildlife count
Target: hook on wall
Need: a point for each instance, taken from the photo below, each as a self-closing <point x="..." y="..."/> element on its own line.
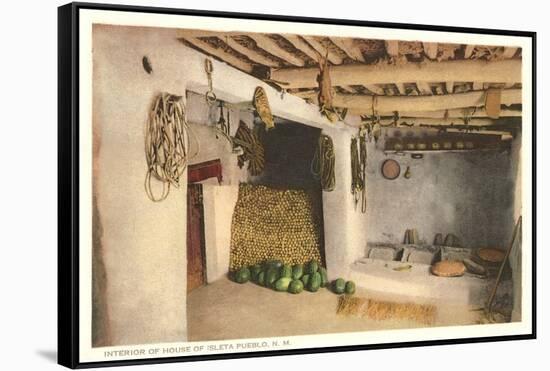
<point x="147" y="65"/>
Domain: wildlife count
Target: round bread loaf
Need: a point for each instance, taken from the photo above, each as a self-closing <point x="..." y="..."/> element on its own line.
<point x="491" y="255"/>
<point x="448" y="268"/>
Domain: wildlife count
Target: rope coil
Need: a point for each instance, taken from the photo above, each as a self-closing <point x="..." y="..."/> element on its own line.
<point x="166" y="144"/>
<point x="322" y="165"/>
<point x="358" y="150"/>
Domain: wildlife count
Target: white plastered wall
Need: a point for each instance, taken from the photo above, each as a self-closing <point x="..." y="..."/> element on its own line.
<point x="345" y="228"/>
<point x="516" y="252"/>
<point x="144" y="243"/>
<point x="218" y="199"/>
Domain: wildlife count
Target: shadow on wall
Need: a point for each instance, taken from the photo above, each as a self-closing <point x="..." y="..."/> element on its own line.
<point x="100" y="318"/>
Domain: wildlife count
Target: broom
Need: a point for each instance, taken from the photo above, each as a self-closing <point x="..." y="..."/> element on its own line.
<point x="489" y="315"/>
<point x="384" y="310"/>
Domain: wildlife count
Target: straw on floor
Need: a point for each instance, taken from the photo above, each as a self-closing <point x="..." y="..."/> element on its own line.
<point x="384" y="310"/>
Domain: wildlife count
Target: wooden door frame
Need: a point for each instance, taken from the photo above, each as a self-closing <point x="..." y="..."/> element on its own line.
<point x="202" y="246"/>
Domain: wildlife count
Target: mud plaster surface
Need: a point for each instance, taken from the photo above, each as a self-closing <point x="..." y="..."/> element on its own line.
<point x="227" y="310"/>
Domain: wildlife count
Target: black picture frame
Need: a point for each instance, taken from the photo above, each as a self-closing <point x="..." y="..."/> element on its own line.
<point x="69" y="186"/>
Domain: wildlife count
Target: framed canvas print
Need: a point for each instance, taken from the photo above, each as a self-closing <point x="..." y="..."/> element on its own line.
<point x="239" y="185"/>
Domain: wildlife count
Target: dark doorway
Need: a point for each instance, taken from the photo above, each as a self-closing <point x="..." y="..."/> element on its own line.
<point x="289" y="151"/>
<point x="196" y="259"/>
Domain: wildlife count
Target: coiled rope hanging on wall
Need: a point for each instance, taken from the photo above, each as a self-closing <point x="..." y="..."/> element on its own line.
<point x="166" y="144"/>
<point x="356" y="180"/>
<point x="322" y="165"/>
<point x="358" y="169"/>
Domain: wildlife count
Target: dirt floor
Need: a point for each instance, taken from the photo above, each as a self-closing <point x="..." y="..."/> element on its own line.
<point x="228" y="310"/>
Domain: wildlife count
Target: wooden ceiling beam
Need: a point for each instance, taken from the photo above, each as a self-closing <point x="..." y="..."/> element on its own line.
<point x="333" y="57"/>
<point x="392" y="47"/>
<point x="423" y="121"/>
<point x="348" y="89"/>
<point x="468" y="50"/>
<point x="417" y="103"/>
<point x="269" y="45"/>
<point x="302" y="46"/>
<point x="249" y="53"/>
<point x="477" y="85"/>
<point x="449" y="87"/>
<point x="509" y="52"/>
<point x="220" y="53"/>
<point x="185" y="33"/>
<point x="424" y="88"/>
<point x="349" y="46"/>
<point x="502" y="71"/>
<point x="375" y="89"/>
<point x="448" y="114"/>
<point x="441" y="115"/>
<point x="401" y="88"/>
<point x="430" y="49"/>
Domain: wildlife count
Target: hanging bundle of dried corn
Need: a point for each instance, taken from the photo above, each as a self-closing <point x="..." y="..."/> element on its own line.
<point x="274" y="224"/>
<point x="322" y="166"/>
<point x="253" y="149"/>
<point x="166" y="144"/>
